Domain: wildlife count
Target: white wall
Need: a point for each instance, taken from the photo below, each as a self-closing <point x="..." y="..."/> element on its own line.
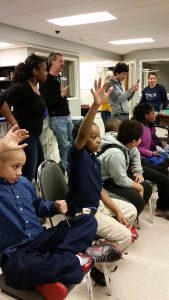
<point x="89" y="71"/>
<point x="11" y="57"/>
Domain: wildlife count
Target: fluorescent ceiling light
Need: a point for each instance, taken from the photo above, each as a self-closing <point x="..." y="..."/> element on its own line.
<point x="132" y="41"/>
<point x="149" y="70"/>
<point x="3" y="45"/>
<point x="101" y="16"/>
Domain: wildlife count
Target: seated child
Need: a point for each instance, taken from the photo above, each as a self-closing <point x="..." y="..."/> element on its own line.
<point x="31" y="256"/>
<point x="121" y="165"/>
<point x="114" y="217"/>
<point x="112" y="124"/>
<point x="144" y="113"/>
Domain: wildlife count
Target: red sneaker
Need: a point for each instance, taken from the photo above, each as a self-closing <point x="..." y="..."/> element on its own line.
<point x="134" y="234"/>
<point x="53" y="291"/>
<point x="89" y="263"/>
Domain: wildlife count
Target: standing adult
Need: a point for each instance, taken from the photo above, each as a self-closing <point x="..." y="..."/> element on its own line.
<point x="118" y="99"/>
<point x="55" y="95"/>
<point x="155" y="93"/>
<point x="105" y="108"/>
<point x="28" y="108"/>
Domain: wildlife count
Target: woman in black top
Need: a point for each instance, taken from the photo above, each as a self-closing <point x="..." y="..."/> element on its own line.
<point x="28" y="107"/>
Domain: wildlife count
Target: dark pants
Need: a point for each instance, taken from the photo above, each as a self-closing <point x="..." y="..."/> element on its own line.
<point x="50" y="257"/>
<point x="130" y="194"/>
<point x="162" y="181"/>
<point x="34" y="156"/>
<point x="122" y="116"/>
<point x="105" y="115"/>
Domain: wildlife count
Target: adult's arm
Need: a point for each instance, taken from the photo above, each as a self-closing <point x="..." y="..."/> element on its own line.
<point x="7" y="114"/>
<point x="51" y="92"/>
<point x="117" y="95"/>
<point x="143" y="97"/>
<point x="164" y="97"/>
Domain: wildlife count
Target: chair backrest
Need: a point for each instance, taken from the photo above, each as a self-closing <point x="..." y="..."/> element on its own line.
<point x="51" y="180"/>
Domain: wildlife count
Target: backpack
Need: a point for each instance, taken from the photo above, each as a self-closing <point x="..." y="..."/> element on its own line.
<point x="109" y="146"/>
<point x="159" y="163"/>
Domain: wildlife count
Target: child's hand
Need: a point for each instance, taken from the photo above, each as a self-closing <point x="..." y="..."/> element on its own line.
<point x="61" y="206"/>
<point x="13" y="137"/>
<point x="121" y="218"/>
<point x="98" y="92"/>
<point x="156" y="153"/>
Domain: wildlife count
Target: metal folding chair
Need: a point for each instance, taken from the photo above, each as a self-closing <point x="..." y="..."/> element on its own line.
<point x="53" y="186"/>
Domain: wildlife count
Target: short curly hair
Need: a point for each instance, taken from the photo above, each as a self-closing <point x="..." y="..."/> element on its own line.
<point x="129" y="130"/>
<point x="120" y="67"/>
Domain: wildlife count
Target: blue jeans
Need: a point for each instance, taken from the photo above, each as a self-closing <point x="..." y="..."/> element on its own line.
<point x="34" y="156"/>
<point x="62" y="128"/>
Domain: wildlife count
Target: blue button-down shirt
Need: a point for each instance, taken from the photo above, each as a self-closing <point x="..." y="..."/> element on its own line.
<point x="19" y="211"/>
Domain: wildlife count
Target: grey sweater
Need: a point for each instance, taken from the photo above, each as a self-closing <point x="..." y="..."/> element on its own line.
<point x="114" y="164"/>
<point x="118" y="99"/>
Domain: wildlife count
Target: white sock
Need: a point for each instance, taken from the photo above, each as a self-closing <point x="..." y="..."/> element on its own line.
<point x="83" y="260"/>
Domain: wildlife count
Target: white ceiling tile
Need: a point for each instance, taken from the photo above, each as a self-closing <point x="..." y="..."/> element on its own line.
<point x="135" y="19"/>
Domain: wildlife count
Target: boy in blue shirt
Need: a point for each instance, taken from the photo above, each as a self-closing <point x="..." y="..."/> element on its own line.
<point x="85" y="184"/>
<point x="31" y="256"/>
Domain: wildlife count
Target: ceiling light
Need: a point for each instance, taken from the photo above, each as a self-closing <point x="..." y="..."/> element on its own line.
<point x="149" y="70"/>
<point x="3" y="45"/>
<point x="83" y="19"/>
<point x="132" y="41"/>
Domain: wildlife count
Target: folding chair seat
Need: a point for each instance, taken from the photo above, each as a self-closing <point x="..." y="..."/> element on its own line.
<point x="53" y="186"/>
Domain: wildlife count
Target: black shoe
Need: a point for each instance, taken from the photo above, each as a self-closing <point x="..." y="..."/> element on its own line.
<point x="97" y="276"/>
<point x="103" y="253"/>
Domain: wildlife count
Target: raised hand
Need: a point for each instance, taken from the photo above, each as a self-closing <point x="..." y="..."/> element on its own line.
<point x="99" y="93"/>
<point x="13" y="137"/>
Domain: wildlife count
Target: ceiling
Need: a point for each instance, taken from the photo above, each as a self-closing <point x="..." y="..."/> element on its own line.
<point x="135" y="19"/>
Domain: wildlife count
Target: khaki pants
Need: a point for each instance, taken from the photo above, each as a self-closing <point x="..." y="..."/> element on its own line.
<point x="110" y="229"/>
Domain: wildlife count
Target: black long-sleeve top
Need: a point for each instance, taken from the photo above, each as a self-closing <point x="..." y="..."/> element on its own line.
<point x="56" y="104"/>
<point x="28" y="107"/>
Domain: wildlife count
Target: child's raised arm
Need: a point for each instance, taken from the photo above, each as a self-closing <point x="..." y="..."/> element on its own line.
<point x="99" y="96"/>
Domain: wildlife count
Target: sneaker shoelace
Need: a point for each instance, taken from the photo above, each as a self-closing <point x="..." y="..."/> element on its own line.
<point x="97" y="257"/>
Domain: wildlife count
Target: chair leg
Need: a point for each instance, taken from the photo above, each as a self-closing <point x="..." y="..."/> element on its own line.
<point x="89" y="286"/>
<point x="151" y="210"/>
<point x="137" y="223"/>
<point x="107" y="279"/>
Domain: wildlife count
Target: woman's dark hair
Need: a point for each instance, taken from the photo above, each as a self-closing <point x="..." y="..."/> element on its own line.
<point x="120" y="67"/>
<point x="129" y="130"/>
<point x="152" y="73"/>
<point x="76" y="129"/>
<point x="23" y="71"/>
<point x="140" y="110"/>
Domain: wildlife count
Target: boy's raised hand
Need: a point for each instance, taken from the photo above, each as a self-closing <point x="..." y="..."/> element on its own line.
<point x="13" y="137"/>
<point x="99" y="93"/>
